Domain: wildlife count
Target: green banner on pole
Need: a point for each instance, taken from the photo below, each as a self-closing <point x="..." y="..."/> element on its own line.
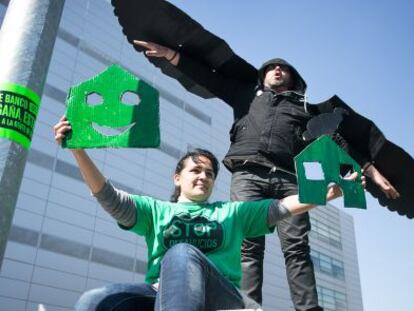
<point x="19" y="107"/>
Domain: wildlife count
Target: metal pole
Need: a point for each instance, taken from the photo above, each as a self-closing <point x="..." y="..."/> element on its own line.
<point x="27" y="38"/>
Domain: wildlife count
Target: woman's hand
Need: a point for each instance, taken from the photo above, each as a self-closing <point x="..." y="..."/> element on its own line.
<point x="61" y="129"/>
<point x="294" y="206"/>
<point x="91" y="174"/>
<point x="336" y="192"/>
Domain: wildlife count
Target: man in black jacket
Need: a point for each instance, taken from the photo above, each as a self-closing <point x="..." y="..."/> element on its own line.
<point x="270" y="118"/>
<point x="265" y="138"/>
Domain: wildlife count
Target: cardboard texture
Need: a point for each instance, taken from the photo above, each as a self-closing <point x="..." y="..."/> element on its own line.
<point x="115" y="121"/>
<point x="331" y="158"/>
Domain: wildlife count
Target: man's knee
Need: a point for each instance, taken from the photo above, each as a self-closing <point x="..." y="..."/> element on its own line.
<point x="294" y="245"/>
<point x="253" y="248"/>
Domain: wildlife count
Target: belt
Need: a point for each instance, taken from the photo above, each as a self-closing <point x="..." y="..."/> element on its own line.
<point x="272" y="168"/>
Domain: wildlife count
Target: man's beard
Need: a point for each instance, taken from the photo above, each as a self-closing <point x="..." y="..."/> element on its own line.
<point x="280" y="84"/>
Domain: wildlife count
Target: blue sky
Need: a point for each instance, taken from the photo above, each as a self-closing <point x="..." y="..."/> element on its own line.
<point x="362" y="51"/>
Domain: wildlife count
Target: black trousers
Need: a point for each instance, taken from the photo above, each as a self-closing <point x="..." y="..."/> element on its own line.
<point x="255" y="183"/>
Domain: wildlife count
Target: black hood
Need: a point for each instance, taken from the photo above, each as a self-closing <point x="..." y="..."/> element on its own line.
<point x="299" y="83"/>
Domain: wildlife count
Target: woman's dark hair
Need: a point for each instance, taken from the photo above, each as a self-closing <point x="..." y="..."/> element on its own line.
<point x="195" y="155"/>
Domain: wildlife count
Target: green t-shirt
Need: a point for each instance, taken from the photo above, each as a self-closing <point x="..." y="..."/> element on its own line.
<point x="217" y="229"/>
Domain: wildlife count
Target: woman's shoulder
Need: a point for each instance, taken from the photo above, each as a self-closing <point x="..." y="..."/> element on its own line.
<point x="149" y="200"/>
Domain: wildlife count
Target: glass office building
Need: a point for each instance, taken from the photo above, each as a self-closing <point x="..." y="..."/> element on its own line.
<point x="62" y="243"/>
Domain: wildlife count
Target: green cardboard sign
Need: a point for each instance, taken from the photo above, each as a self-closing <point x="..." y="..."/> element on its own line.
<point x="130" y="125"/>
<point x="19" y="107"/>
<point x="330" y="157"/>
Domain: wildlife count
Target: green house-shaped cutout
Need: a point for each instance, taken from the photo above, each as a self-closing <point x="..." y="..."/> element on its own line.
<point x="113" y="109"/>
<point x="328" y="156"/>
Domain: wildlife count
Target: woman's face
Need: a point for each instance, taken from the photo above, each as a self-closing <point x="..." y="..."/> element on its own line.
<point x="196" y="180"/>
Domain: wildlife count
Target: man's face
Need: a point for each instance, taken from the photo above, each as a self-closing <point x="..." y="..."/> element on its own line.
<point x="278" y="77"/>
<point x="196" y="180"/>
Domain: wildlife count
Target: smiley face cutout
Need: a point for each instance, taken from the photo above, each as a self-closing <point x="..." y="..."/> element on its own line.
<point x="113" y="109"/>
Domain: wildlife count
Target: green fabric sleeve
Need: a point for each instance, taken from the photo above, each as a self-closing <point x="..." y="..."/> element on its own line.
<point x="253" y="215"/>
<point x="144" y="220"/>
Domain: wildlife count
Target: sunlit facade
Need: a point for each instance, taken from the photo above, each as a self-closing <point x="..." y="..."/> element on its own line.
<point x="62" y="243"/>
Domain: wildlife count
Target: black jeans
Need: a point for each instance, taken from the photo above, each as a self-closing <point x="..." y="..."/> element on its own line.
<point x="255" y="183"/>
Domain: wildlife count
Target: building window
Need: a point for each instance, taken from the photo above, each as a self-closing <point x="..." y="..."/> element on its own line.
<point x="328" y="265"/>
<point x="332" y="300"/>
<point x="326" y="233"/>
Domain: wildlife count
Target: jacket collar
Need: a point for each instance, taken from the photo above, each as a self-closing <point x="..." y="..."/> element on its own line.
<point x="291" y="94"/>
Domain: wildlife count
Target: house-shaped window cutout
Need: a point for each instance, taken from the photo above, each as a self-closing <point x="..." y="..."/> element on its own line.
<point x="345" y="170"/>
<point x="313" y="171"/>
<point x="130" y="98"/>
<point x="321" y="163"/>
<point x="94" y="99"/>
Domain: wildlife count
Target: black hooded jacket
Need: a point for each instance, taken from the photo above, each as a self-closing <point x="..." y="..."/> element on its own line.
<point x="267" y="126"/>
